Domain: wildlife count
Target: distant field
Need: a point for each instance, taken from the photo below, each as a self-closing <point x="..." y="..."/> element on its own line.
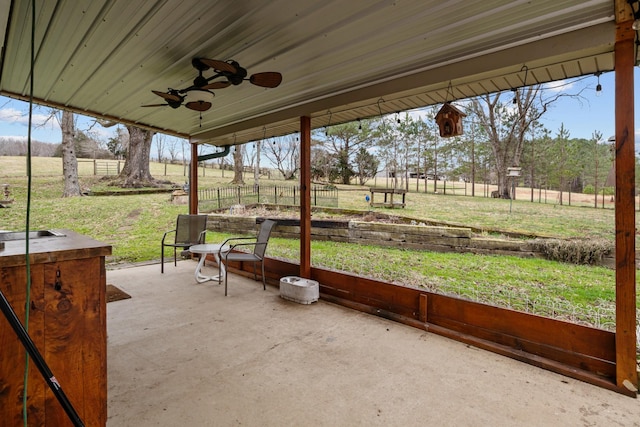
<point x="544" y="217"/>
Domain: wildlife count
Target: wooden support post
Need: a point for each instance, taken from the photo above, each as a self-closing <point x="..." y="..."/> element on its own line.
<point x="193" y="180"/>
<point x="305" y="197"/>
<point x="626" y="375"/>
<point x="423" y="303"/>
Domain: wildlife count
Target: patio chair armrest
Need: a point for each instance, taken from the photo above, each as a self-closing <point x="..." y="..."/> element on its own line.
<point x="164" y="236"/>
<point x="236" y="238"/>
<point x="232" y="247"/>
<point x="202" y="237"/>
<point x="244" y="244"/>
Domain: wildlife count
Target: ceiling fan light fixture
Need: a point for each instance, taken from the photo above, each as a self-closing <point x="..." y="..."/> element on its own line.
<point x="200" y="95"/>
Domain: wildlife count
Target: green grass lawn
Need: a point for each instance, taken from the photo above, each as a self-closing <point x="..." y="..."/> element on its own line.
<point x="134" y="224"/>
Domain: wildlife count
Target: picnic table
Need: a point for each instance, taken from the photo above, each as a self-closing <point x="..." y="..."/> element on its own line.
<point x="388" y="197"/>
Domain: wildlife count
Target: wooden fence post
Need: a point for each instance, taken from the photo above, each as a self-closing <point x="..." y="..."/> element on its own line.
<point x="626" y="371"/>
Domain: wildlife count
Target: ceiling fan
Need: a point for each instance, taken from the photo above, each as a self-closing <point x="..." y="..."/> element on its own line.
<point x="225" y="74"/>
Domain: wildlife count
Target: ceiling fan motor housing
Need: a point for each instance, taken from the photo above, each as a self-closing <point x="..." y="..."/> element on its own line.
<point x="200" y="81"/>
<point x="239" y="76"/>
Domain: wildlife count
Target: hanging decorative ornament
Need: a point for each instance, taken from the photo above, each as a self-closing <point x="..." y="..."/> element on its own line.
<point x="449" y="118"/>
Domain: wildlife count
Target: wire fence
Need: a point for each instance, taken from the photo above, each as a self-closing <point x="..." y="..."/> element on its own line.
<point x="210" y="199"/>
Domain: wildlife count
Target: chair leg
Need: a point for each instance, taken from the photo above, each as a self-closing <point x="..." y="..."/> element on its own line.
<point x="175" y="258"/>
<point x="264" y="283"/>
<point x="162" y="259"/>
<point x="225" y="281"/>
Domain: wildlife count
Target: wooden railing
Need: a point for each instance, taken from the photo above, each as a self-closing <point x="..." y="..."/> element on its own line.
<point x="581" y="352"/>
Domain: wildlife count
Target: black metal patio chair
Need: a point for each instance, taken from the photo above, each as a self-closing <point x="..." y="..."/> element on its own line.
<point x="256" y="256"/>
<point x="190" y="230"/>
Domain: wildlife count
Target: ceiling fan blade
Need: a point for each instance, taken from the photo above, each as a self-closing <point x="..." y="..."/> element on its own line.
<point x="268" y="79"/>
<point x="168" y="96"/>
<point x="198" y="105"/>
<point x="219" y="65"/>
<point x="156" y="105"/>
<point x="217" y="85"/>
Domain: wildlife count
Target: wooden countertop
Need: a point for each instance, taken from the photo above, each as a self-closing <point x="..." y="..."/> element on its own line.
<point x="51" y="249"/>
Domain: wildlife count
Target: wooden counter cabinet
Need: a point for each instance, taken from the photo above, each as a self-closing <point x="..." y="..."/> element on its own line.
<point x="67" y="323"/>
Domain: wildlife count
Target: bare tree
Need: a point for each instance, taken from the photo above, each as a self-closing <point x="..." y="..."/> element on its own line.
<point x="74" y="140"/>
<point x="222" y="164"/>
<point x="161" y="142"/>
<point x="119" y="144"/>
<point x="324" y="165"/>
<point x="251" y="160"/>
<point x="172" y="149"/>
<point x="285" y="155"/>
<point x="17" y="146"/>
<point x="237" y="165"/>
<point x="69" y="160"/>
<point x="388" y="152"/>
<point x="43" y="149"/>
<point x="12" y="146"/>
<point x="68" y="150"/>
<point x="136" y="172"/>
<point x="248" y="157"/>
<point x="507" y="123"/>
<point x="343" y="141"/>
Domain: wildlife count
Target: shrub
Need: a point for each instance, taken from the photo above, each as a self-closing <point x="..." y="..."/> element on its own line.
<point x="574" y="251"/>
<point x="608" y="191"/>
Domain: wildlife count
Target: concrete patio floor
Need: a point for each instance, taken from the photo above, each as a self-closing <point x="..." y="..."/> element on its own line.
<point x="183" y="354"/>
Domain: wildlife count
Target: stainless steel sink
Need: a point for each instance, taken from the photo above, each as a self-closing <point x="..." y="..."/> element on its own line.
<point x="6" y="236"/>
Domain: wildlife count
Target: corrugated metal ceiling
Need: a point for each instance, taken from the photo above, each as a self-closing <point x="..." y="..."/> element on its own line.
<point x="354" y="58"/>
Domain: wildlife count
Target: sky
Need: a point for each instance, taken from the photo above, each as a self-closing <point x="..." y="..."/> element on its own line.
<point x="596" y="112"/>
<point x="580" y="117"/>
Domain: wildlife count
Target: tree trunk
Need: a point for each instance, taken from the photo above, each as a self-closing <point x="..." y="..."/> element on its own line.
<point x="237" y="166"/>
<point x="69" y="161"/>
<point x="502" y="180"/>
<point x="136" y="173"/>
<point x="256" y="171"/>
